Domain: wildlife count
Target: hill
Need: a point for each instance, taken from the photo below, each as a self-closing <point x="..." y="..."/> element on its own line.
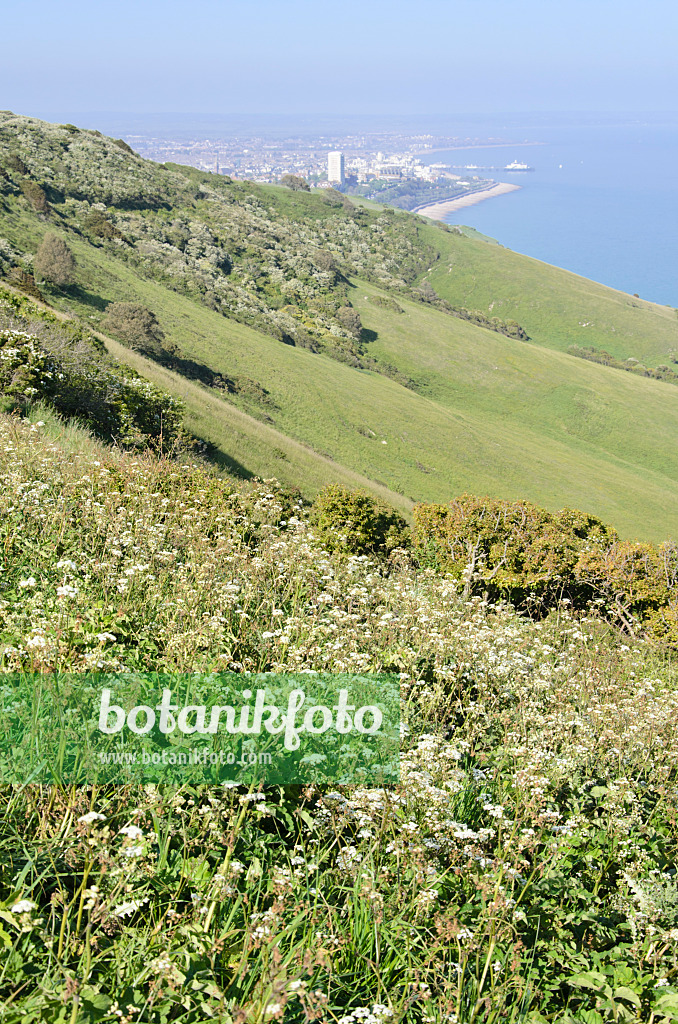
<point x="312" y="339"/>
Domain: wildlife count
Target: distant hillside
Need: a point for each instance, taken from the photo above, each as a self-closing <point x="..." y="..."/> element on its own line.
<point x="312" y="339"/>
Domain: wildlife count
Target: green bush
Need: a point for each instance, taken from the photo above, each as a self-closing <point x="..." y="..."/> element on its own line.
<point x="15" y="163"/>
<point x="25" y="282"/>
<point x="511" y="550"/>
<point x="54" y="261"/>
<point x="98" y="225"/>
<point x="36" y="196"/>
<point x="136" y="326"/>
<point x="518" y="552"/>
<point x="42" y="360"/>
<point x="356" y="522"/>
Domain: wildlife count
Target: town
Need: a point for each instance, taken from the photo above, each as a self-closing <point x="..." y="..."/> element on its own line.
<point x="390" y="167"/>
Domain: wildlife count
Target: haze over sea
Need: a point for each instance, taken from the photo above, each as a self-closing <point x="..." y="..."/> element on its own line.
<point x="602" y="200"/>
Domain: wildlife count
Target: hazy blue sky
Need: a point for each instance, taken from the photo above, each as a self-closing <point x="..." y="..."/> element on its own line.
<point x="355" y="56"/>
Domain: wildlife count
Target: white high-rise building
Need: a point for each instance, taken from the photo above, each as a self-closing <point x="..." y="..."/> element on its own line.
<point x="335" y="168"/>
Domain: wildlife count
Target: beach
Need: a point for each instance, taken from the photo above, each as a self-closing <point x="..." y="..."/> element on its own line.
<point x="439" y="210"/>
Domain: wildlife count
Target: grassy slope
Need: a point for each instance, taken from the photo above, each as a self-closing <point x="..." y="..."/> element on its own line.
<point x="495" y="416"/>
<point x="490" y="415"/>
<point x="550" y="303"/>
<point x="245" y="446"/>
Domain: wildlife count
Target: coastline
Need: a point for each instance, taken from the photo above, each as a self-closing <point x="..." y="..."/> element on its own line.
<point x="439" y="210"/>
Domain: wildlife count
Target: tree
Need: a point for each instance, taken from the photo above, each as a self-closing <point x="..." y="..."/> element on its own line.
<point x="54" y="261"/>
<point x="136" y="326"/>
<point x="296" y="183"/>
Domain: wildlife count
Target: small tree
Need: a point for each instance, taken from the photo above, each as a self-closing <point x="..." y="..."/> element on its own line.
<point x="54" y="261"/>
<point x="136" y="326"/>
<point x="295" y="182"/>
<point x="35" y="195"/>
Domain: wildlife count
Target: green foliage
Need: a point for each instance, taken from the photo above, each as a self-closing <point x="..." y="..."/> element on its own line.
<point x="356" y="522"/>
<point x="14" y="162"/>
<point x="295" y="182"/>
<point x="136" y="326"/>
<point x="384" y="302"/>
<point x="410" y="194"/>
<point x="523" y="870"/>
<point x="98" y="225"/>
<point x="350" y="319"/>
<point x="25" y="282"/>
<point x="512" y="550"/>
<point x="121" y="144"/>
<point x="557" y="310"/>
<point x="426" y="293"/>
<point x="54" y="261"/>
<point x="631" y="365"/>
<point x="245" y="264"/>
<point x="35" y="195"/>
<point x="536" y="559"/>
<point x="42" y="361"/>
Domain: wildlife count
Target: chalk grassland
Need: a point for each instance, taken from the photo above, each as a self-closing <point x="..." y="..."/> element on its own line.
<point x="489" y="414"/>
<point x="556" y="308"/>
<point x="482" y="412"/>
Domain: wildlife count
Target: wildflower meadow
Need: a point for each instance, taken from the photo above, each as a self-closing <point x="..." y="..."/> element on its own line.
<point x="523" y="869"/>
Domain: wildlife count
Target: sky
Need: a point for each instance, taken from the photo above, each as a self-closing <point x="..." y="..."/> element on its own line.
<point x="298" y="57"/>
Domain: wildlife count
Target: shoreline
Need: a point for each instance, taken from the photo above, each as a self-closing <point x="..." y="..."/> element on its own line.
<point x="440" y="209"/>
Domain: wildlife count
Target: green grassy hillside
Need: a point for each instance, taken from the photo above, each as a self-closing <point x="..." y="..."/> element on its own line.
<point x="556" y="307"/>
<point x="254" y="284"/>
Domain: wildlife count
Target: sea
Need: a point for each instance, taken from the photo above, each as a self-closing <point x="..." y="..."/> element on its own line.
<point x="602" y="200"/>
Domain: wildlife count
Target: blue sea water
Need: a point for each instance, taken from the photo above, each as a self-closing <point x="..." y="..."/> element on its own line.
<point x="602" y="200"/>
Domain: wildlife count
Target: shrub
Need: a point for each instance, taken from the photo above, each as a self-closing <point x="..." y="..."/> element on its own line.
<point x="350" y="319"/>
<point x="43" y="361"/>
<point x="136" y="326"/>
<point x="54" y="261"/>
<point x="15" y="163"/>
<point x="635" y="581"/>
<point x="386" y="303"/>
<point x="534" y="559"/>
<point x="511" y="550"/>
<point x="295" y="182"/>
<point x="100" y="226"/>
<point x="24" y="281"/>
<point x="356" y="522"/>
<point x="35" y="196"/>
